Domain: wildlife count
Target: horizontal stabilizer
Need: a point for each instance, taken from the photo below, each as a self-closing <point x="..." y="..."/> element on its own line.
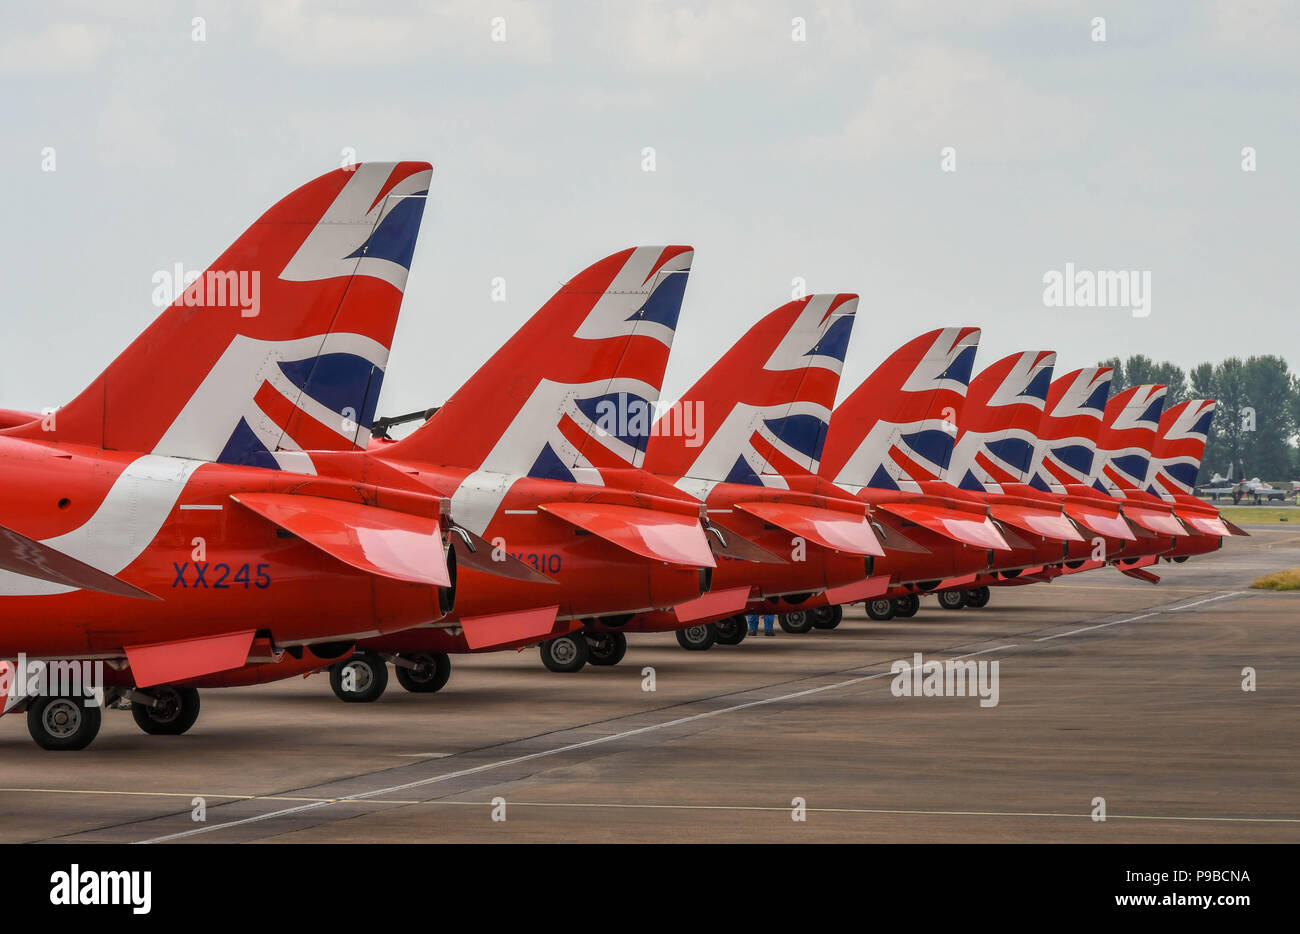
<point x="1154" y="520"/>
<point x="716" y="605"/>
<point x="961" y="526"/>
<point x="830" y="528"/>
<point x="1048" y="523"/>
<point x="393" y="544"/>
<point x="1205" y="523"/>
<point x="1102" y="520"/>
<point x="660" y="536"/>
<point x="1234" y="528"/>
<point x="485" y="632"/>
<point x="30" y="558"/>
<point x="168" y="662"/>
<point x="728" y="544"/>
<point x="480" y="554"/>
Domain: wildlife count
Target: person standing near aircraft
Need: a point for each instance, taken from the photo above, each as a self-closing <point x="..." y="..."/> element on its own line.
<point x="769" y="619"/>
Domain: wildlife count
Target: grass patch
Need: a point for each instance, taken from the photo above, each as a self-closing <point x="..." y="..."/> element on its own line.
<point x="1240" y="514"/>
<point x="1280" y="580"/>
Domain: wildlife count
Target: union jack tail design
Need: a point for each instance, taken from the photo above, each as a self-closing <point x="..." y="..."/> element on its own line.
<point x="898" y="427"/>
<point x="1179" y="447"/>
<point x="1128" y="432"/>
<point x="762" y="410"/>
<point x="1069" y="429"/>
<point x="280" y="345"/>
<point x="998" y="429"/>
<point x="577" y="386"/>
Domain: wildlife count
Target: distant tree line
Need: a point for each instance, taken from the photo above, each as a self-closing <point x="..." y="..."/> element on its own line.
<point x="1255" y="425"/>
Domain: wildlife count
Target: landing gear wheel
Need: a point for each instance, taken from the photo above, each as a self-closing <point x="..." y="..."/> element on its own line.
<point x="430" y="674"/>
<point x="361" y="679"/>
<point x="696" y="638"/>
<point x="951" y="599"/>
<point x="796" y="621"/>
<point x="565" y="654"/>
<point x="172" y="712"/>
<point x="977" y="597"/>
<point x="731" y="631"/>
<point x="606" y="648"/>
<point x="827" y="617"/>
<point x="905" y="607"/>
<point x="63" y="723"/>
<point x="880" y="609"/>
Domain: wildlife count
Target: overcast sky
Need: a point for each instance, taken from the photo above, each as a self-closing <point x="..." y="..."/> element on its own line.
<point x="775" y="159"/>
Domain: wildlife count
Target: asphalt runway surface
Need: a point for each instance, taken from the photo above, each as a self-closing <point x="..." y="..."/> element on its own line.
<point x="1108" y="688"/>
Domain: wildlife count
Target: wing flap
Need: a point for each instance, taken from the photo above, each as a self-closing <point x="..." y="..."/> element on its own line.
<point x="659" y="536"/>
<point x="385" y="542"/>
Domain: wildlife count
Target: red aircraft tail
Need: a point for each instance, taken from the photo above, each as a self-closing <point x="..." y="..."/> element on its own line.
<point x="760" y="413"/>
<point x="1069" y="428"/>
<point x="999" y="423"/>
<point x="280" y="345"/>
<point x="897" y="428"/>
<point x="1128" y="432"/>
<point x="578" y="384"/>
<point x="1179" y="447"/>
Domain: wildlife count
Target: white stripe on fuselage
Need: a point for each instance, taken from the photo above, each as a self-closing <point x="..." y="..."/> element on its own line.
<point x="126" y="522"/>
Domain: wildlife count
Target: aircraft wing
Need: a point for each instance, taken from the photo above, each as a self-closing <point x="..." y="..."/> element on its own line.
<point x="27" y="556"/>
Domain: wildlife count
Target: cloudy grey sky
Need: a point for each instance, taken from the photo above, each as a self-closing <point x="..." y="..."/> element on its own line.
<point x="776" y="159"/>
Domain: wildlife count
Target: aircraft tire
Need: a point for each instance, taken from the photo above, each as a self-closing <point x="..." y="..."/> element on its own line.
<point x="732" y="630"/>
<point x="697" y="638"/>
<point x="430" y="675"/>
<point x="63" y="723"/>
<point x="606" y="648"/>
<point x="951" y="599"/>
<point x="881" y="609"/>
<point x="827" y="617"/>
<point x="565" y="654"/>
<point x="978" y="597"/>
<point x="905" y="607"/>
<point x="370" y="674"/>
<point x="796" y="621"/>
<point x="172" y="713"/>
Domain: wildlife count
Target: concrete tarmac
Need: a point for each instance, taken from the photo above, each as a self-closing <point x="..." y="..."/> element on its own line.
<point x="1108" y="688"/>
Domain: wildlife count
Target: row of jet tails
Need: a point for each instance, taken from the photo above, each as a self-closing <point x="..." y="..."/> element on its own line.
<point x="213" y="511"/>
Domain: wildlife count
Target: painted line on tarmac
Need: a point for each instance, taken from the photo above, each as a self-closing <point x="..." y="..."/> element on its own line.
<point x="638" y="731"/>
<point x="1134" y="619"/>
<point x="614" y="805"/>
<point x="1086" y="815"/>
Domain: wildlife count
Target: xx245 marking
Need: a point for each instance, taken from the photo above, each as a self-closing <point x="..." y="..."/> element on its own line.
<point x="189" y="575"/>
